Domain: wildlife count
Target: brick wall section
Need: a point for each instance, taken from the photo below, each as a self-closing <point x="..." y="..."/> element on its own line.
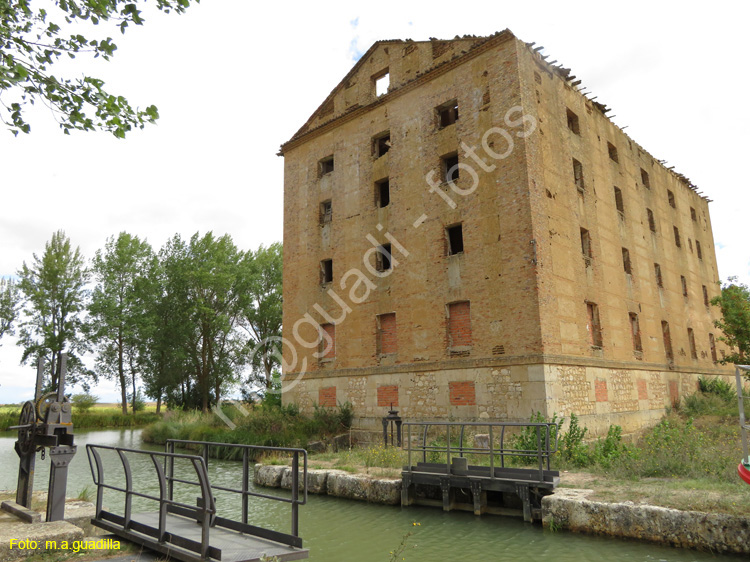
<point x="329" y="329"/>
<point x="387" y="395"/>
<point x="674" y="392"/>
<point x="462" y="393"/>
<point x="387" y="338"/>
<point x="327" y="397"/>
<point x="642" y="390"/>
<point x="600" y="389"/>
<point x="459" y="324"/>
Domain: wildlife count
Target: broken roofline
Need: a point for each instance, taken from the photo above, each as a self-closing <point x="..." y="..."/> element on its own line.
<point x="486" y="42"/>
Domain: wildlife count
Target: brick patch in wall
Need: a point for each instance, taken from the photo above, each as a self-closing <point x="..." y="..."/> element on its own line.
<point x="600" y="389"/>
<point x="462" y="393"/>
<point x="387" y="395"/>
<point x="387" y="339"/>
<point x="674" y="392"/>
<point x="459" y="324"/>
<point x="642" y="390"/>
<point x="327" y="397"/>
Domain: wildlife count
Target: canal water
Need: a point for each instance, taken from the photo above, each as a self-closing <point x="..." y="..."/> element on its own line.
<point x="339" y="530"/>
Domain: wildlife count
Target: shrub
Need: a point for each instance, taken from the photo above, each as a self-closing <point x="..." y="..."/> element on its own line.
<point x="719" y="387"/>
<point x="83" y="402"/>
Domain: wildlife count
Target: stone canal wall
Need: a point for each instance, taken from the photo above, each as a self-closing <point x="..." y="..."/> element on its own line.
<point x="567" y="509"/>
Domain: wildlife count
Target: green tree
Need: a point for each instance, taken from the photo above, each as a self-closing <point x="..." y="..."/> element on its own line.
<point x="9" y="300"/>
<point x="33" y="37"/>
<point x="53" y="302"/>
<point x="118" y="309"/>
<point x="734" y="303"/>
<point x="261" y="313"/>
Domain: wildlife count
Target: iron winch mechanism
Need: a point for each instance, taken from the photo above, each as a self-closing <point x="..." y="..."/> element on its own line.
<point x="46" y="422"/>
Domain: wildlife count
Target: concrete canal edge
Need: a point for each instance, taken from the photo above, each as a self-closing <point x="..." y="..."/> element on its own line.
<point x="566" y="509"/>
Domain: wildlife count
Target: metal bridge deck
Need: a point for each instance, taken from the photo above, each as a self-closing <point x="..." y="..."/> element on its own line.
<point x="234" y="546"/>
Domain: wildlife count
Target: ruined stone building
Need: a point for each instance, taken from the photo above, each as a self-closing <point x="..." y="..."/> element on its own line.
<point x="468" y="236"/>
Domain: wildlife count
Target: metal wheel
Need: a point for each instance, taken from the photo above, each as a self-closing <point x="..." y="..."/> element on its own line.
<point x="26" y="434"/>
<point x="43" y="404"/>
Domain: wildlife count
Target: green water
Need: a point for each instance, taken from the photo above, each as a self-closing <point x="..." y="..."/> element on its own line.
<point x="338" y="530"/>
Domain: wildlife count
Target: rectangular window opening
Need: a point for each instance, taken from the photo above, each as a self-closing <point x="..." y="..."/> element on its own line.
<point x="383" y="258"/>
<point x="645" y="179"/>
<point x="651" y="221"/>
<point x="693" y="215"/>
<point x="698" y="250"/>
<point x="326" y="212"/>
<point x="381" y="145"/>
<point x="618" y="201"/>
<point x="635" y="332"/>
<point x="677" y="237"/>
<point x="594" y="326"/>
<point x="657" y="274"/>
<point x="325" y="166"/>
<point x="683" y="281"/>
<point x="670" y="198"/>
<point x="455" y="239"/>
<point x="447" y="114"/>
<point x="450" y="168"/>
<point x="612" y="149"/>
<point x="586" y="246"/>
<point x="578" y="175"/>
<point x="326" y="271"/>
<point x="382" y="83"/>
<point x="626" y="261"/>
<point x="383" y="193"/>
<point x="667" y="340"/>
<point x="705" y="296"/>
<point x="573" y="123"/>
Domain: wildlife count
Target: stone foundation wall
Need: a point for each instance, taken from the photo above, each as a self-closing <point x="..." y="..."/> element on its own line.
<point x="599" y="396"/>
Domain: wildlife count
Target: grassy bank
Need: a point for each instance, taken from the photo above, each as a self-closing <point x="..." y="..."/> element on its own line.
<point x="100" y="417"/>
<point x="261" y="424"/>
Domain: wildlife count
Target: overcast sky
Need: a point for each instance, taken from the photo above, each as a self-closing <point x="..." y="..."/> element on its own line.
<point x="232" y="81"/>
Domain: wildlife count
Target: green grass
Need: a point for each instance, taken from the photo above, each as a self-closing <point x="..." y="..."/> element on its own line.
<point x="99" y="417"/>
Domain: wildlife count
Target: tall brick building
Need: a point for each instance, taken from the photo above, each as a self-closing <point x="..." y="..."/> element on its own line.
<point x="467" y="235"/>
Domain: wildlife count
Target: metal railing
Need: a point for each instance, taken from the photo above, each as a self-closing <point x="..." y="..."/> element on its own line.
<point x="204" y="512"/>
<point x="245" y="491"/>
<point x="544" y="439"/>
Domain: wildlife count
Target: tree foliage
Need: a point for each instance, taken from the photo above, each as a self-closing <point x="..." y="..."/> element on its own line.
<point x="734" y="303"/>
<point x="9" y="300"/>
<point x="54" y="300"/>
<point x="118" y="319"/>
<point x="33" y="39"/>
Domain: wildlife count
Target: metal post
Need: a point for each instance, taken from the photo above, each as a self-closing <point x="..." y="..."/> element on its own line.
<point x="448" y="449"/>
<point x="58" y="481"/>
<point x="245" y="476"/>
<point x="492" y="454"/>
<point x="295" y="494"/>
<point x="129" y="488"/>
<point x="741" y="403"/>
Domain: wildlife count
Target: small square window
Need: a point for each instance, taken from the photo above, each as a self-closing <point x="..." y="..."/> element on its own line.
<point x="670" y="198"/>
<point x="693" y="215"/>
<point x="645" y="179"/>
<point x="612" y="152"/>
<point x="326" y="212"/>
<point x="447" y="114"/>
<point x="651" y="221"/>
<point x="578" y="176"/>
<point x="455" y="239"/>
<point x="450" y="167"/>
<point x="383" y="258"/>
<point x="573" y="123"/>
<point x="626" y="261"/>
<point x="326" y="271"/>
<point x="325" y="166"/>
<point x="383" y="193"/>
<point x="381" y="145"/>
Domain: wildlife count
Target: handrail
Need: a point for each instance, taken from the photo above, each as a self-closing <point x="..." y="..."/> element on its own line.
<point x="204" y="511"/>
<point x="245" y="489"/>
<point x="543" y="451"/>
